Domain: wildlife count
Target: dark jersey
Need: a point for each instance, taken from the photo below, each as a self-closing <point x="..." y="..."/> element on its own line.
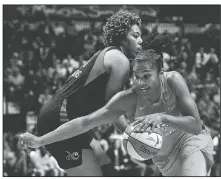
<point x="85" y="88"/>
<point x="82" y="94"/>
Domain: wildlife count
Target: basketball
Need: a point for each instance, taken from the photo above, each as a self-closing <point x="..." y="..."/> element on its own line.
<point x="142" y="146"/>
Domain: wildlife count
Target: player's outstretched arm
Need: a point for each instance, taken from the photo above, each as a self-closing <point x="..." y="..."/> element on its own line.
<point x="117" y="106"/>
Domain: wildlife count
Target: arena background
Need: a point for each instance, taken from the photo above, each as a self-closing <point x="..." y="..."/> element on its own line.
<point x="43" y="44"/>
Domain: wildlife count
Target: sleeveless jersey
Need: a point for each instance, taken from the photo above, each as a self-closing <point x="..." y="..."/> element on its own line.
<point x="175" y="142"/>
<point x="84" y="91"/>
<point x="82" y="94"/>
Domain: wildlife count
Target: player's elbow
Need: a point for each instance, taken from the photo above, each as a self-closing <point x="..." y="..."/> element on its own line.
<point x="198" y="128"/>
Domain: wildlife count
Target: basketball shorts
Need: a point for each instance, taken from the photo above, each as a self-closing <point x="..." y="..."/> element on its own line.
<point x="68" y="153"/>
<point x="195" y="143"/>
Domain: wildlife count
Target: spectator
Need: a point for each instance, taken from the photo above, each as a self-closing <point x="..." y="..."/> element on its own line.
<point x="183" y="69"/>
<point x="58" y="29"/>
<point x="72" y="64"/>
<point x="90" y="42"/>
<point x="99" y="44"/>
<point x="31" y="120"/>
<point x="216" y="98"/>
<point x="63" y="70"/>
<point x="193" y="80"/>
<point x="44" y="97"/>
<point x="15" y="79"/>
<point x="42" y="162"/>
<point x="190" y="57"/>
<point x="52" y="68"/>
<point x="9" y="164"/>
<point x="200" y="60"/>
<point x="216" y="168"/>
<point x="44" y="51"/>
<point x="212" y="62"/>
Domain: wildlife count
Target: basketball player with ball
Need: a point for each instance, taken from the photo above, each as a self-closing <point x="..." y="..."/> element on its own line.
<point x="167" y="125"/>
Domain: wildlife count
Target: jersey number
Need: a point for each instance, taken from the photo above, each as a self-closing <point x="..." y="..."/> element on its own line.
<point x="77" y="73"/>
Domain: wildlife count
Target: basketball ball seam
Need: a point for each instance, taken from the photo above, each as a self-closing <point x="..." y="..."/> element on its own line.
<point x="125" y="147"/>
<point x="142" y="143"/>
<point x="141" y="157"/>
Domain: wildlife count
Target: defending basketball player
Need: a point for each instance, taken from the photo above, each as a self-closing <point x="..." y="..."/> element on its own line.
<point x="88" y="89"/>
<point x="163" y="99"/>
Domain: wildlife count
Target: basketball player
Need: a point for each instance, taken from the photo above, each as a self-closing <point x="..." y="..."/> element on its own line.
<point x="163" y="99"/>
<point x="88" y="89"/>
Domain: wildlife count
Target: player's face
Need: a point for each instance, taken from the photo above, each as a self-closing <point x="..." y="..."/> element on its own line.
<point x="147" y="78"/>
<point x="132" y="42"/>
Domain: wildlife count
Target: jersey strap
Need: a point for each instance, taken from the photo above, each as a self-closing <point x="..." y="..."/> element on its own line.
<point x="169" y="98"/>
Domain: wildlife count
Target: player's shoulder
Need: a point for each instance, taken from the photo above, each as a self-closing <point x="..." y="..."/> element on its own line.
<point x="114" y="52"/>
<point x="114" y="56"/>
<point x="174" y="78"/>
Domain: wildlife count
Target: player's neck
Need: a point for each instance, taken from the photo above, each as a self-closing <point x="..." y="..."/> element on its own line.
<point x="155" y="96"/>
<point x="124" y="52"/>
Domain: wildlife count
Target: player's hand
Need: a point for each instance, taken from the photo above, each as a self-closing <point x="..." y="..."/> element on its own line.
<point x="148" y="123"/>
<point x="29" y="140"/>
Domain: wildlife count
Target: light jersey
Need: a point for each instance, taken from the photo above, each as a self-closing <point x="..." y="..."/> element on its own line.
<point x="173" y="139"/>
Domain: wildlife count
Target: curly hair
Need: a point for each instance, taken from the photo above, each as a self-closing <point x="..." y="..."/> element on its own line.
<point x="153" y="47"/>
<point x="117" y="27"/>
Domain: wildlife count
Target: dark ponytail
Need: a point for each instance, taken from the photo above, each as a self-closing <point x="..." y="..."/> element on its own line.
<point x="153" y="47"/>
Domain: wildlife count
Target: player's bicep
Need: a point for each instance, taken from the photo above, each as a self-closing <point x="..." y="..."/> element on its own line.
<point x="187" y="105"/>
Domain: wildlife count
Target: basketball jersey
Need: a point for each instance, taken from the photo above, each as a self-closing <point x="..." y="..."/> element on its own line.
<point x="175" y="142"/>
<point x="84" y="91"/>
<point x="82" y="94"/>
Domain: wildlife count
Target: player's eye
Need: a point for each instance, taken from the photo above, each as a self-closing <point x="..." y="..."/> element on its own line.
<point x="136" y="36"/>
<point x="146" y="76"/>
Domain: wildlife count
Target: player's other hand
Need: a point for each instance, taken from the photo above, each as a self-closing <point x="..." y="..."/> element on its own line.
<point x="148" y="123"/>
<point x="29" y="140"/>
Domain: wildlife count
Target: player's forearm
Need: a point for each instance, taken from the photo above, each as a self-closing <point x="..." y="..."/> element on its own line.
<point x="80" y="125"/>
<point x="65" y="131"/>
<point x="186" y="124"/>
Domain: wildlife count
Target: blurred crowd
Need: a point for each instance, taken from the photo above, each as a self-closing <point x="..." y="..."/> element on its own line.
<point x="38" y="57"/>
